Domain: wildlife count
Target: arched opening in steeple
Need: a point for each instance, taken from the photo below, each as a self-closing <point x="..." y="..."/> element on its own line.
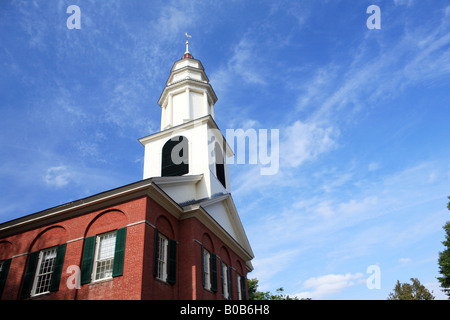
<point x="220" y="164"/>
<point x="175" y="157"/>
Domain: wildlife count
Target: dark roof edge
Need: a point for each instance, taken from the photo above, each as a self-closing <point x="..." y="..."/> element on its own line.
<point x="77" y="203"/>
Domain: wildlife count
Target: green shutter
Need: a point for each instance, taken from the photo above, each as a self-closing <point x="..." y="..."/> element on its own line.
<point x="119" y="253"/>
<point x="155" y="253"/>
<point x="243" y="288"/>
<point x="172" y="261"/>
<point x="58" y="267"/>
<point x="4" y="274"/>
<point x="230" y="296"/>
<point x="221" y="278"/>
<point x="213" y="272"/>
<point x="88" y="257"/>
<point x="29" y="275"/>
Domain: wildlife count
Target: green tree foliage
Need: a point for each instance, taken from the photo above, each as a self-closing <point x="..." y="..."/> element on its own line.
<point x="414" y="291"/>
<point x="444" y="260"/>
<point x="254" y="294"/>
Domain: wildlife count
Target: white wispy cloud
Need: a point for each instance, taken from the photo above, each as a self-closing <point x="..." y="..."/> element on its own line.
<point x="267" y="268"/>
<point x="436" y="290"/>
<point x="305" y="141"/>
<point x="244" y="65"/>
<point x="328" y="285"/>
<point x="58" y="176"/>
<point x="404" y="260"/>
<point x="403" y="2"/>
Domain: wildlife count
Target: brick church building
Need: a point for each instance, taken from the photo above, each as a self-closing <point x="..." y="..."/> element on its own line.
<point x="176" y="234"/>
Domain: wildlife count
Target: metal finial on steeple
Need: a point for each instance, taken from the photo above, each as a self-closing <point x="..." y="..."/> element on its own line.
<point x="187" y="54"/>
<point x="187" y="42"/>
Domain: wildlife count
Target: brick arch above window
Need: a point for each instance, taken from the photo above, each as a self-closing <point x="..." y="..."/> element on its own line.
<point x="6" y="250"/>
<point x="165" y="227"/>
<point x="106" y="221"/>
<point x="239" y="267"/>
<point x="49" y="237"/>
<point x="207" y="242"/>
<point x="225" y="255"/>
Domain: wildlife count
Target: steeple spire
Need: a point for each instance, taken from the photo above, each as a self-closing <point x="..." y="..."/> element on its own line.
<point x="187" y="54"/>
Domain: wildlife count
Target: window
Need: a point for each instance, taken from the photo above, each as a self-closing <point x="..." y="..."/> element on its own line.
<point x="162" y="258"/>
<point x="241" y="288"/>
<point x="175" y="157"/>
<point x="104" y="255"/>
<point x="4" y="269"/>
<point x="238" y="287"/>
<point x="209" y="270"/>
<point x="44" y="272"/>
<point x="206" y="270"/>
<point x="225" y="281"/>
<point x="165" y="258"/>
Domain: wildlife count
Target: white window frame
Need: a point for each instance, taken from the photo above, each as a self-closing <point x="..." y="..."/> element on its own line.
<point x="207" y="269"/>
<point x="44" y="271"/>
<point x="105" y="264"/>
<point x="163" y="243"/>
<point x="239" y="293"/>
<point x="225" y="281"/>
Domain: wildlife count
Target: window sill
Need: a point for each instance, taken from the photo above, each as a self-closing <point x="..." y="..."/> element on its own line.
<point x="100" y="281"/>
<point x="161" y="281"/>
<point x="209" y="290"/>
<point x="40" y="295"/>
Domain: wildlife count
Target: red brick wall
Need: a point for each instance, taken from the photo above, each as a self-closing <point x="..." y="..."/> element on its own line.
<point x="140" y="216"/>
<point x="73" y="231"/>
<point x="192" y="235"/>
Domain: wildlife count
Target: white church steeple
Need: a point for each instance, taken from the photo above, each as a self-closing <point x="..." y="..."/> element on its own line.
<point x="189" y="145"/>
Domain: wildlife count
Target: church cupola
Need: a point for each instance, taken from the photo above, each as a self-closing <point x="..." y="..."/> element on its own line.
<point x="189" y="145"/>
<point x="188" y="94"/>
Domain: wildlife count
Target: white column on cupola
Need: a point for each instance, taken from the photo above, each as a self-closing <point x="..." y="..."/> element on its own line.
<point x="163" y="117"/>
<point x="205" y="103"/>
<point x="189" y="107"/>
<point x="167" y="113"/>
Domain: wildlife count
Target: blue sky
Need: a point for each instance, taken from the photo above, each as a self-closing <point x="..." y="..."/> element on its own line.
<point x="362" y="116"/>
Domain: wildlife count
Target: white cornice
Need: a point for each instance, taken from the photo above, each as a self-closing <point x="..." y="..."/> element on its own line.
<point x="179" y="128"/>
<point x="200" y="65"/>
<point x="185" y="68"/>
<point x="161" y="181"/>
<point x="188" y="83"/>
